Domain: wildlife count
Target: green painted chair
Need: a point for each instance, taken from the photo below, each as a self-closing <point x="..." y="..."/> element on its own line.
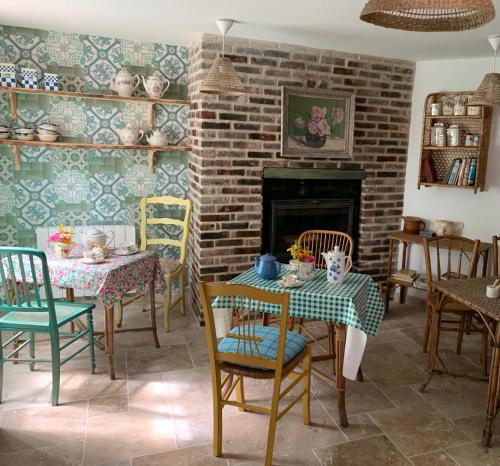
<point x="27" y="313"/>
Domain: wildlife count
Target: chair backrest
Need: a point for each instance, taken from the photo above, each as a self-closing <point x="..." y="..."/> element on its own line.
<point x="166" y="201"/>
<point x="20" y="282"/>
<point x="496" y="250"/>
<point x="318" y="241"/>
<point x="246" y="304"/>
<point x="455" y="257"/>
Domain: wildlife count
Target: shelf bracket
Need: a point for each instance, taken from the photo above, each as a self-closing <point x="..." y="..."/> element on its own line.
<point x="151" y="161"/>
<point x="17" y="160"/>
<point x="150" y="114"/>
<point x="13" y="105"/>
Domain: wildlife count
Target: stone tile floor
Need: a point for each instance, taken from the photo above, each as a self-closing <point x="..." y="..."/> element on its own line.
<point x="158" y="411"/>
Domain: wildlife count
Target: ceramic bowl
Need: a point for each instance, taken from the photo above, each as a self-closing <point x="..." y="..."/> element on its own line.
<point x="25" y="137"/>
<point x="47" y="127"/>
<point x="4" y="134"/>
<point x="24" y="130"/>
<point x="48" y="137"/>
<point x="48" y="133"/>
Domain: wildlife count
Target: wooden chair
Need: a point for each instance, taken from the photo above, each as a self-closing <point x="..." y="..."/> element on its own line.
<point x="496" y="246"/>
<point x="173" y="269"/>
<point x="254" y="351"/>
<point x="318" y="241"/>
<point x="27" y="313"/>
<point x="455" y="257"/>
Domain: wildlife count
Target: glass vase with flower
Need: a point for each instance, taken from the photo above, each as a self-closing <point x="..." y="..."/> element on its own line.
<point x="62" y="241"/>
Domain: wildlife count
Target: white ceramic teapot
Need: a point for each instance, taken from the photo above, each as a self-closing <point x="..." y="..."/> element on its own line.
<point x="124" y="83"/>
<point x="130" y="136"/>
<point x="337" y="265"/>
<point x="154" y="85"/>
<point x="157" y="138"/>
<point x="95" y="237"/>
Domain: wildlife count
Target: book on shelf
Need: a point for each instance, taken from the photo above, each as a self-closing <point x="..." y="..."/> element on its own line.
<point x="405" y="275"/>
<point x="462" y="172"/>
<point x="429" y="170"/>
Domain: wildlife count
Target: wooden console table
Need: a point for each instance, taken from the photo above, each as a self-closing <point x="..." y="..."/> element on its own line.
<point x="407" y="239"/>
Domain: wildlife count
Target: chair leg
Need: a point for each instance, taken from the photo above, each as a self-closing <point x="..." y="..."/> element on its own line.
<point x="240" y="392"/>
<point x="484" y="350"/>
<point x="306" y="399"/>
<point x="32" y="350"/>
<point x="461" y="331"/>
<point x="152" y="299"/>
<point x="272" y="422"/>
<point x="90" y="328"/>
<point x="119" y="322"/>
<point x="182" y="291"/>
<point x="217" y="410"/>
<point x="166" y="304"/>
<point x="56" y="368"/>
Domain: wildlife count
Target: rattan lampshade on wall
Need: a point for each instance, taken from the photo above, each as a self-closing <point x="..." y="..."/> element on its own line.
<point x="429" y="15"/>
<point x="222" y="77"/>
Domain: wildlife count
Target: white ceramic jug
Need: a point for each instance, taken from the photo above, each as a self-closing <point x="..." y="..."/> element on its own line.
<point x="154" y="85"/>
<point x="338" y="264"/>
<point x="124" y="83"/>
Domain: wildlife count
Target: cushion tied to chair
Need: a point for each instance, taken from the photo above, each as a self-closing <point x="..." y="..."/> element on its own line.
<point x="264" y="345"/>
<point x="169" y="265"/>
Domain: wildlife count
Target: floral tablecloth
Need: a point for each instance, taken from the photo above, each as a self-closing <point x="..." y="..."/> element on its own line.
<point x="108" y="281"/>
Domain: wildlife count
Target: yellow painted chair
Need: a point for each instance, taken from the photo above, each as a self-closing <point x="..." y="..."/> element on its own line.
<point x="254" y="351"/>
<point x="172" y="269"/>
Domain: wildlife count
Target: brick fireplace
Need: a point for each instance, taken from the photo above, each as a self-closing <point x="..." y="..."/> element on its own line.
<point x="234" y="138"/>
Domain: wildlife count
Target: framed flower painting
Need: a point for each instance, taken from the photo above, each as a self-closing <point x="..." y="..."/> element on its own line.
<point x="317" y="124"/>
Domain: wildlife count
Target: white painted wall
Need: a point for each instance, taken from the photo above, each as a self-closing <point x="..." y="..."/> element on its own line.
<point x="480" y="212"/>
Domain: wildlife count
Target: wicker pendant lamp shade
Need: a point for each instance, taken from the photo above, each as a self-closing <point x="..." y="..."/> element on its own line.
<point x="488" y="93"/>
<point x="222" y="77"/>
<point x="429" y="15"/>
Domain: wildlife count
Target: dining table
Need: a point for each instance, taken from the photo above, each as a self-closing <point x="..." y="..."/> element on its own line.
<point x="354" y="307"/>
<point x="471" y="292"/>
<point x="108" y="281"/>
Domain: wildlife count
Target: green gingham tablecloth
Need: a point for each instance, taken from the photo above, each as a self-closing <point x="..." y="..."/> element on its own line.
<point x="356" y="302"/>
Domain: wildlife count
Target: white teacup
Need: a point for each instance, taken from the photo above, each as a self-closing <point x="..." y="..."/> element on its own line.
<point x="294" y="264"/>
<point x="89" y="255"/>
<point x="129" y="246"/>
<point x="289" y="280"/>
<point x="492" y="291"/>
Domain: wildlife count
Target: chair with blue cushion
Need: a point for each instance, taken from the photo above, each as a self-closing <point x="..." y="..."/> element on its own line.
<point x="26" y="313"/>
<point x="251" y="350"/>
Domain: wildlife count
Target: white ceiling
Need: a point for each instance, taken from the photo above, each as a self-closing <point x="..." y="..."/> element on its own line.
<point x="330" y="24"/>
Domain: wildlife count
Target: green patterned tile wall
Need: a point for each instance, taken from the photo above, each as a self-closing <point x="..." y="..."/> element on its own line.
<point x="81" y="187"/>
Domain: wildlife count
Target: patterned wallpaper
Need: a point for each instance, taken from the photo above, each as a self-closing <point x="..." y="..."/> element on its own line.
<point x="80" y="187"/>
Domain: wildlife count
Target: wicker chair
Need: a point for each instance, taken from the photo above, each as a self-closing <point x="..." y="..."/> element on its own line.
<point x="318" y="241"/>
<point x="496" y="246"/>
<point x="254" y="351"/>
<point x="455" y="257"/>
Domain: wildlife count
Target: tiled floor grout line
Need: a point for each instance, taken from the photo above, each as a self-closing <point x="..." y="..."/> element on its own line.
<point x="85" y="433"/>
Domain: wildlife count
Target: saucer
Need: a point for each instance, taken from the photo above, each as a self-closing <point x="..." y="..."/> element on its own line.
<point x="125" y="252"/>
<point x="92" y="261"/>
<point x="296" y="284"/>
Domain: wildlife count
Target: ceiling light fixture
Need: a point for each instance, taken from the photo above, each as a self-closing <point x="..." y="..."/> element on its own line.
<point x="429" y="15"/>
<point x="488" y="93"/>
<point x="222" y="77"/>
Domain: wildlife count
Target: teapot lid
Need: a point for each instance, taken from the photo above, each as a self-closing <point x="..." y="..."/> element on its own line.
<point x="94" y="231"/>
<point x="268" y="257"/>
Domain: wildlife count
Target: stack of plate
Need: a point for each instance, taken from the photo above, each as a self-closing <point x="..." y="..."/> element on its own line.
<point x="47" y="132"/>
<point x="25" y="133"/>
<point x="5" y="131"/>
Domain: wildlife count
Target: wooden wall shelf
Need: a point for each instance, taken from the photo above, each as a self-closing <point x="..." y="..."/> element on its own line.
<point x="83" y="145"/>
<point x="442" y="157"/>
<point x="13" y="91"/>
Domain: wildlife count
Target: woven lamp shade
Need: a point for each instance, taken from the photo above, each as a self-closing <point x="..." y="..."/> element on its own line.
<point x="488" y="93"/>
<point x="222" y="79"/>
<point x="429" y="15"/>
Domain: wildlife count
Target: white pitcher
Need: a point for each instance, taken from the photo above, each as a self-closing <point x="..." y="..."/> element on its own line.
<point x="155" y="85"/>
<point x="338" y="264"/>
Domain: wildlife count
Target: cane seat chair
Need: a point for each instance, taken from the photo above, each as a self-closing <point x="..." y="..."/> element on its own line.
<point x="26" y="313"/>
<point x="316" y="242"/>
<point x="173" y="269"/>
<point x="448" y="258"/>
<point x="254" y="351"/>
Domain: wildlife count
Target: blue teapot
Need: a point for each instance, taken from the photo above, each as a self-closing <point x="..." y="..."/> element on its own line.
<point x="267" y="267"/>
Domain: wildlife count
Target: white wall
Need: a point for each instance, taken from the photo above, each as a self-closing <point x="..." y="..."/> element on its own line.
<point x="480" y="213"/>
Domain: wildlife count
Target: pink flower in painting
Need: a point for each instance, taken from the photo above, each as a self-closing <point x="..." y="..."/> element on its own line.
<point x="318" y="113"/>
<point x="313" y="127"/>
<point x="299" y="122"/>
<point x="337" y="115"/>
<point x="323" y="128"/>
